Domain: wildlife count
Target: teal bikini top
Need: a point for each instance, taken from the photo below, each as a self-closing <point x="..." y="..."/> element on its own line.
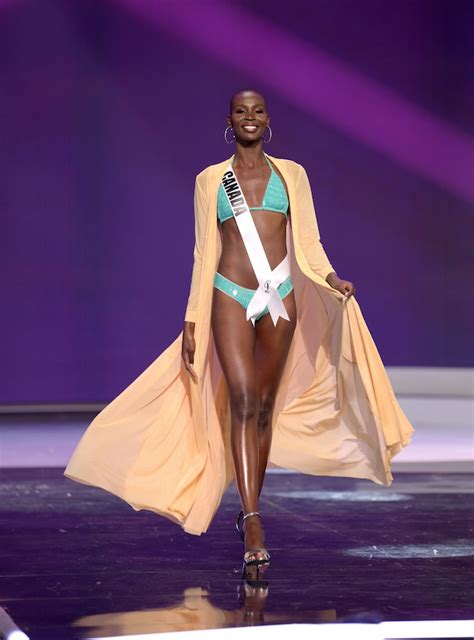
<point x="275" y="198"/>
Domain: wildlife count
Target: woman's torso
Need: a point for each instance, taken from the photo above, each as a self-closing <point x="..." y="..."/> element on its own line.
<point x="234" y="262"/>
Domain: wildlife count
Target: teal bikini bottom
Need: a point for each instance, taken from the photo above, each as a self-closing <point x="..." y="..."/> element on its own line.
<point x="244" y="295"/>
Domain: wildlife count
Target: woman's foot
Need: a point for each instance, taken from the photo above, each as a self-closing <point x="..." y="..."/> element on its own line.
<point x="254" y="538"/>
<point x="256" y="557"/>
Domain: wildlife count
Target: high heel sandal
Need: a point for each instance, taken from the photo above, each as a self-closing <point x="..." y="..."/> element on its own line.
<point x="252" y="566"/>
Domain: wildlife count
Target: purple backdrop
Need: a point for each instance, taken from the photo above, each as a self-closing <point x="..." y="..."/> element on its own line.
<point x="109" y="109"/>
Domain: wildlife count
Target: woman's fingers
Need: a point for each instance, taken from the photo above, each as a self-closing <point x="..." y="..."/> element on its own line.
<point x="193" y="373"/>
<point x="187" y="353"/>
<point x="189" y="365"/>
<point x="348" y="288"/>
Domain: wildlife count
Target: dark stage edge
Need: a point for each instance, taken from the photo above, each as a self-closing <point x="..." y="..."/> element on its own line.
<point x="77" y="562"/>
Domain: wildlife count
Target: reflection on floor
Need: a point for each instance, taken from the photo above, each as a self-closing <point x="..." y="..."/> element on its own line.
<point x="77" y="562"/>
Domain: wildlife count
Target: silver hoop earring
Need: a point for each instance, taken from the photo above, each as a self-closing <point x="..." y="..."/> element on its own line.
<point x="271" y="134"/>
<point x="225" y="135"/>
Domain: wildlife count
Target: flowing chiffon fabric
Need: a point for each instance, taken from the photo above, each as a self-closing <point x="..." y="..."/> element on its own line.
<point x="163" y="443"/>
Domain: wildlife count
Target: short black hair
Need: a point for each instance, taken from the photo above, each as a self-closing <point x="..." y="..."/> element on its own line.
<point x="243" y="91"/>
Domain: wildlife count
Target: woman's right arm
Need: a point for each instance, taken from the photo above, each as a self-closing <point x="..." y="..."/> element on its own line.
<point x="200" y="210"/>
<point x="188" y="348"/>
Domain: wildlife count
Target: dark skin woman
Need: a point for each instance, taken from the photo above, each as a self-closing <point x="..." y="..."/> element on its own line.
<point x="252" y="358"/>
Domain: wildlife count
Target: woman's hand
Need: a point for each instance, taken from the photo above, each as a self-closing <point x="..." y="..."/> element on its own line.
<point x="343" y="286"/>
<point x="188" y="348"/>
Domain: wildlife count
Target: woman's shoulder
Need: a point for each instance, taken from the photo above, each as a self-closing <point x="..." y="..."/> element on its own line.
<point x="288" y="162"/>
<point x="208" y="172"/>
<point x="296" y="166"/>
<point x="291" y="165"/>
<point x="204" y="173"/>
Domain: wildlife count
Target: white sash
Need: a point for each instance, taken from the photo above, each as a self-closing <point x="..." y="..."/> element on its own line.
<point x="267" y="293"/>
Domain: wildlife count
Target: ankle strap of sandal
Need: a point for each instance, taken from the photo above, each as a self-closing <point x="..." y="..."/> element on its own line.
<point x="252" y="513"/>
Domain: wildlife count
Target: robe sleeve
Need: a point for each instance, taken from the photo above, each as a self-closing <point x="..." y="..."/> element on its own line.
<point x="309" y="231"/>
<point x="200" y="209"/>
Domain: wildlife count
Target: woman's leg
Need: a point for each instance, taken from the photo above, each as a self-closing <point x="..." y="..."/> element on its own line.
<point x="234" y="337"/>
<point x="252" y="373"/>
<point x="272" y="344"/>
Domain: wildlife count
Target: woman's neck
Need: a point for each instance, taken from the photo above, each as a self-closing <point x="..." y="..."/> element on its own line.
<point x="251" y="156"/>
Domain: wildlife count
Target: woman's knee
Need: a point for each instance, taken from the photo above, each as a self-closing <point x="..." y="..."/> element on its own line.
<point x="244" y="405"/>
<point x="267" y="402"/>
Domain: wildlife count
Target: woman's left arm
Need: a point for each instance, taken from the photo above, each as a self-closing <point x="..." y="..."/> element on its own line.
<point x="310" y="238"/>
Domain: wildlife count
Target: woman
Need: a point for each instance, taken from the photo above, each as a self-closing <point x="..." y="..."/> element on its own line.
<point x="252" y="357"/>
<point x="285" y="372"/>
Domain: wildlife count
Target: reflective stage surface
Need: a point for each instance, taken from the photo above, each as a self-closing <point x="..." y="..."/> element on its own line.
<point x="76" y="562"/>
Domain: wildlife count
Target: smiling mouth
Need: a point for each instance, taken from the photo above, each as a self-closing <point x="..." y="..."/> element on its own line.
<point x="250" y="127"/>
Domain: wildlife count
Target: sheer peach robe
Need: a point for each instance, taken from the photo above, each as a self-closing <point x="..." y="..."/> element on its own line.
<point x="163" y="443"/>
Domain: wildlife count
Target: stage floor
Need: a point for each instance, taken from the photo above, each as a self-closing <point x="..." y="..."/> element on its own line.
<point x="77" y="562"/>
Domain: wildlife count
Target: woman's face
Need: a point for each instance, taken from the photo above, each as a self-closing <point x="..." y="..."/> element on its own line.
<point x="248" y="117"/>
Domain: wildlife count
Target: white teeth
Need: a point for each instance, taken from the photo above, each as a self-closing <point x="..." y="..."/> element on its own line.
<point x="250" y="127"/>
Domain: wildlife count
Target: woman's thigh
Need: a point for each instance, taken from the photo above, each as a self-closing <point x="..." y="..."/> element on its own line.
<point x="272" y="344"/>
<point x="234" y="337"/>
<point x="252" y="358"/>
